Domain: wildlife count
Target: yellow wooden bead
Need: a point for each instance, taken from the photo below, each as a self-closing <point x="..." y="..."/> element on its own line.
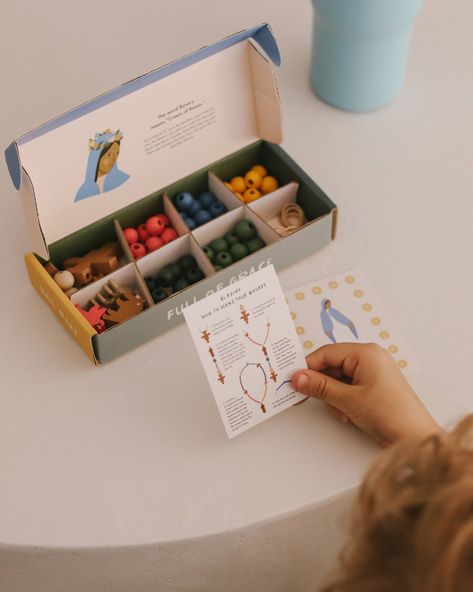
<point x="269" y="184"/>
<point x="238" y="184"/>
<point x="253" y="180"/>
<point x="239" y="195"/>
<point x="250" y="195"/>
<point x="259" y="168"/>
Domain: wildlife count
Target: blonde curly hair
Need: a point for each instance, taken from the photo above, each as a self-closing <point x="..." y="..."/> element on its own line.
<point x="413" y="524"/>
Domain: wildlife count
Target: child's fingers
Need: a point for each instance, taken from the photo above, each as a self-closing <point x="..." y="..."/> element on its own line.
<point x="325" y="388"/>
<point x="337" y="355"/>
<point x="337" y="413"/>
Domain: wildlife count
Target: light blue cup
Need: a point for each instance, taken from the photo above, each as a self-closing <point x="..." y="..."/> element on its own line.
<point x="360" y="50"/>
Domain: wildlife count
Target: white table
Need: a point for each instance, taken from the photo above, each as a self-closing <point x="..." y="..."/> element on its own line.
<point x="121" y="477"/>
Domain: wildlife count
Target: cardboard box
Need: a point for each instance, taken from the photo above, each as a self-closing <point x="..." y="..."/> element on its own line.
<point x="188" y="126"/>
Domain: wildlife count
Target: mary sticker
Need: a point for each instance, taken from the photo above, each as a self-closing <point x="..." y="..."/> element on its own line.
<point x="102" y="173"/>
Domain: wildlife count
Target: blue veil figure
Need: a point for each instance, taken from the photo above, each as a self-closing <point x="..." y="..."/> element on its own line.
<point x="102" y="173"/>
<point x="328" y="313"/>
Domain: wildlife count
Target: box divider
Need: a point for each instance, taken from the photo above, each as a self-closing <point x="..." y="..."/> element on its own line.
<point x="123" y="242"/>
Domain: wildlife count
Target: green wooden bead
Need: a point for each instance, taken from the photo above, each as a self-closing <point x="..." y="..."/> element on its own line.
<point x="238" y="251"/>
<point x="208" y="251"/>
<point x="186" y="262"/>
<point x="231" y="238"/>
<point x="223" y="259"/>
<point x="218" y="245"/>
<point x="245" y="230"/>
<point x="255" y="244"/>
<point x="180" y="284"/>
<point x="194" y="274"/>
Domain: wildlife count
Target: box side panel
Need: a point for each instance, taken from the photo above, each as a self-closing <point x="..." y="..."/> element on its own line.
<point x="62" y="307"/>
<point x="161" y="317"/>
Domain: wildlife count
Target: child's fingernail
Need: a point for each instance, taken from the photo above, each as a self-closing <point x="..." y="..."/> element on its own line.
<point x="302" y="381"/>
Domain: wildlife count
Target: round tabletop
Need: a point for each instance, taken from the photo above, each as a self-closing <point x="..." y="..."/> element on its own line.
<point x="134" y="452"/>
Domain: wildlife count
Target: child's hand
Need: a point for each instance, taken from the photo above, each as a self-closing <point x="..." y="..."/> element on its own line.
<point x="361" y="383"/>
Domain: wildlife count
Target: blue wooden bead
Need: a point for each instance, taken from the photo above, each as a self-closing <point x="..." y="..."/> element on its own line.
<point x="194" y="208"/>
<point x="217" y="209"/>
<point x="202" y="217"/>
<point x="189" y="222"/>
<point x="206" y="198"/>
<point x="184" y="200"/>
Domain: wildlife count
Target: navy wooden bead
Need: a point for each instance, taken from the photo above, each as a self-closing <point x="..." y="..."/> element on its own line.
<point x="194" y="274"/>
<point x="186" y="262"/>
<point x="180" y="284"/>
<point x="175" y="269"/>
<point x="158" y="295"/>
<point x="150" y="282"/>
<point x="165" y="278"/>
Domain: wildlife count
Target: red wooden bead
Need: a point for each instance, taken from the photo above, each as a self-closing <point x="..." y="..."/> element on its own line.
<point x="153" y="243"/>
<point x="155" y="226"/>
<point x="138" y="250"/>
<point x="143" y="233"/>
<point x="169" y="235"/>
<point x="164" y="218"/>
<point x="131" y="235"/>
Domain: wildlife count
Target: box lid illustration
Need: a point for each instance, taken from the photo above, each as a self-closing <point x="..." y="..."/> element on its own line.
<point x="147" y="133"/>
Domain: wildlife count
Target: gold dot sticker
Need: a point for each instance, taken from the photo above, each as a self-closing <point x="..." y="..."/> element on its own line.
<point x="316" y="290"/>
<point x="375" y="321"/>
<point x="333" y="285"/>
<point x="402" y="363"/>
<point x="300" y="330"/>
<point x="384" y="334"/>
<point x="358" y="293"/>
<point x="293" y="316"/>
<point x="393" y="349"/>
<point x="349" y="279"/>
<point x="300" y="295"/>
<point x="367" y="306"/>
<point x="308" y="344"/>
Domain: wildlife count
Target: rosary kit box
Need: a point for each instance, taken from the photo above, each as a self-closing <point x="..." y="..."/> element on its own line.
<point x="162" y="191"/>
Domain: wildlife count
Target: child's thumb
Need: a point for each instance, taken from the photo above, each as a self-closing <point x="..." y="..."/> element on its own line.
<point x="322" y="387"/>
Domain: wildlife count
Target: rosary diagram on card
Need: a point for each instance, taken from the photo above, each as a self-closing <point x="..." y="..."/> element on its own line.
<point x="249" y="349"/>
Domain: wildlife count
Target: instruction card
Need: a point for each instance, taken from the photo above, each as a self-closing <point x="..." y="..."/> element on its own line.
<point x="249" y="349"/>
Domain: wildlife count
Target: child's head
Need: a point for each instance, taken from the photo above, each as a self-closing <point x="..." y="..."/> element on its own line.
<point x="413" y="525"/>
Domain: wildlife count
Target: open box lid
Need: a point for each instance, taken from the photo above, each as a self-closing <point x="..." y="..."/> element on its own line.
<point x="157" y="128"/>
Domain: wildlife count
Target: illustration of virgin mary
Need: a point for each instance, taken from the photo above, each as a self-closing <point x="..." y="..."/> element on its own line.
<point x="102" y="173"/>
<point x="328" y="313"/>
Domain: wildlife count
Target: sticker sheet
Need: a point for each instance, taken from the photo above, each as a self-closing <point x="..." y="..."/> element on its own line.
<point x="249" y="349"/>
<point x="343" y="308"/>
